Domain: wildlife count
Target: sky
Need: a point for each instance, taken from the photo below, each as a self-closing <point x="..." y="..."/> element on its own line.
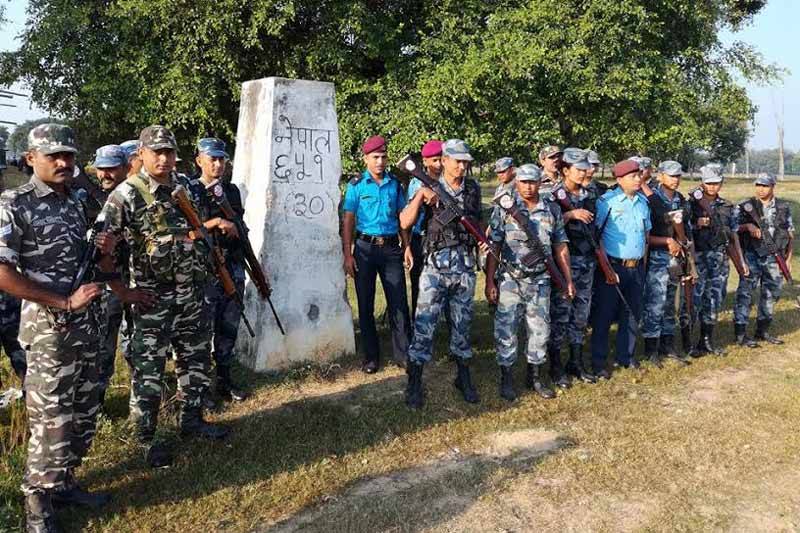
<point x="772" y="32"/>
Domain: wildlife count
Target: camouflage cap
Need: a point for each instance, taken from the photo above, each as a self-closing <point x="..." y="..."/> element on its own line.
<point x="503" y="164"/>
<point x="131" y="147"/>
<point x="577" y="158"/>
<point x="529" y="172"/>
<point x="766" y="179"/>
<point x="711" y="174"/>
<point x="549" y="151"/>
<point x="51" y="139"/>
<point x="110" y="156"/>
<point x="670" y="168"/>
<point x="457" y="149"/>
<point x="212" y="146"/>
<point x="643" y="162"/>
<point x="592" y="157"/>
<point x="157" y="138"/>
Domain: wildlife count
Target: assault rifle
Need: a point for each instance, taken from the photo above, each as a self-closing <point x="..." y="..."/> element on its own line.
<point x="599" y="252"/>
<point x="687" y="267"/>
<point x="251" y="262"/>
<point x="733" y="249"/>
<point x="772" y="248"/>
<point x="452" y="211"/>
<point x="91" y="256"/>
<point x="228" y="286"/>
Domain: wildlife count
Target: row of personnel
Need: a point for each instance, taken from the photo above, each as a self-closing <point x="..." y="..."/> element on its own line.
<point x="563" y="252"/>
<point x="143" y="278"/>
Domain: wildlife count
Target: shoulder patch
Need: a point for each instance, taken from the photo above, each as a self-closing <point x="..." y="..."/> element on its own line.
<point x="355" y="180"/>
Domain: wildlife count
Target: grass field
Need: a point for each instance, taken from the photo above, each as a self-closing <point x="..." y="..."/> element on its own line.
<point x="326" y="448"/>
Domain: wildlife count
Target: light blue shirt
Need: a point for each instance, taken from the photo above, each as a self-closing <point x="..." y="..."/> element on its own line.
<point x="413" y="186"/>
<point x="624" y="224"/>
<point x="376" y="206"/>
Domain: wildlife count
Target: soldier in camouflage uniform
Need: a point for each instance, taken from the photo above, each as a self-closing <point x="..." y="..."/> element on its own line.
<point x="524" y="289"/>
<point x="598" y="188"/>
<point x="9" y="331"/>
<point x="134" y="161"/>
<point x="165" y="261"/>
<point x="111" y="164"/>
<point x="505" y="171"/>
<point x="658" y="319"/>
<point x="550" y="161"/>
<point x="775" y="217"/>
<point x="569" y="317"/>
<point x="223" y="311"/>
<point x="711" y="236"/>
<point x="449" y="273"/>
<point x="42" y="229"/>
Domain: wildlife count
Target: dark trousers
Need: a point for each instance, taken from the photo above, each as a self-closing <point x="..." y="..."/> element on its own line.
<point x="386" y="262"/>
<point x="416" y="270"/>
<point x="609" y="308"/>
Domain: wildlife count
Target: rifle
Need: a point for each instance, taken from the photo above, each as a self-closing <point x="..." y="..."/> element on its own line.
<point x="772" y="248"/>
<point x="601" y="255"/>
<point x="687" y="268"/>
<point x="733" y="249"/>
<point x="251" y="262"/>
<point x="91" y="255"/>
<point x="452" y="211"/>
<point x="228" y="286"/>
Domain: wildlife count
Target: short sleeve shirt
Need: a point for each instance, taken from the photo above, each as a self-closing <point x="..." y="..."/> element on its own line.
<point x="376" y="207"/>
<point x="413" y="186"/>
<point x="623" y="222"/>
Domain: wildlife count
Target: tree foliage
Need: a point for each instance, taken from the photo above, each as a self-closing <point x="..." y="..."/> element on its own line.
<point x="620" y="76"/>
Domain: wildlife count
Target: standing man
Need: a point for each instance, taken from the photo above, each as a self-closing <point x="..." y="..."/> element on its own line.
<point x="372" y="203"/>
<point x="569" y="317"/>
<point x="9" y="330"/>
<point x="43" y="225"/>
<point x="223" y="312"/>
<point x="623" y="219"/>
<point x="524" y="289"/>
<point x="170" y="269"/>
<point x="432" y="161"/>
<point x="134" y="161"/>
<point x="550" y="161"/>
<point x="658" y="321"/>
<point x="590" y="182"/>
<point x="111" y="164"/>
<point x="449" y="274"/>
<point x="504" y="168"/>
<point x="758" y="216"/>
<point x="711" y="235"/>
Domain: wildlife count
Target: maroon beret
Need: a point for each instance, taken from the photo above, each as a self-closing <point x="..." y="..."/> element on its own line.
<point x="432" y="148"/>
<point x="376" y="143"/>
<point x="623" y="168"/>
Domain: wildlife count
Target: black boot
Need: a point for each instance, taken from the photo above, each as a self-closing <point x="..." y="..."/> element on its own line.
<point x="557" y="375"/>
<point x="507" y="384"/>
<point x="463" y="382"/>
<point x="686" y="340"/>
<point x="39" y="514"/>
<point x="414" y="395"/>
<point x="666" y="348"/>
<point x="651" y="351"/>
<point x="226" y="389"/>
<point x="73" y="494"/>
<point x="534" y="382"/>
<point x="742" y="339"/>
<point x="762" y="333"/>
<point x="193" y="425"/>
<point x="576" y="367"/>
<point x="707" y="340"/>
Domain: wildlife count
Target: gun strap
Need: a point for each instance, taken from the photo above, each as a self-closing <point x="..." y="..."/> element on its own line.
<point x="138" y="183"/>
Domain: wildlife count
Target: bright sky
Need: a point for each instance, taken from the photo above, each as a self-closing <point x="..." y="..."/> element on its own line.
<point x="772" y="33"/>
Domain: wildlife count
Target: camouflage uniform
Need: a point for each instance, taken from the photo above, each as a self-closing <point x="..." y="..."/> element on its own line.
<point x="764" y="271"/>
<point x="9" y="331"/>
<point x="521" y="290"/>
<point x="42" y="233"/>
<point x="166" y="261"/>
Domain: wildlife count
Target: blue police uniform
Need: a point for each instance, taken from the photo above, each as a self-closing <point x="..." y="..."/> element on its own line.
<point x="623" y="223"/>
<point x="377" y="252"/>
<point x="417" y="237"/>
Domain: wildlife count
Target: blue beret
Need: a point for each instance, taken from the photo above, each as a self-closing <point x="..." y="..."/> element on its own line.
<point x="212" y="146"/>
<point x="109" y="156"/>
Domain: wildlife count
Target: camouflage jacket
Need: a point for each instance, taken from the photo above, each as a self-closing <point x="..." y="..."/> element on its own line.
<point x="162" y="253"/>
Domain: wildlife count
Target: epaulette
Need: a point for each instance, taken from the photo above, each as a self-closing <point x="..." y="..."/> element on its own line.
<point x="16" y="192"/>
<point x="355" y="180"/>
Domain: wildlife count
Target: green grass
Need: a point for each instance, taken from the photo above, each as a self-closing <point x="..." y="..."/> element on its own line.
<point x="310" y="434"/>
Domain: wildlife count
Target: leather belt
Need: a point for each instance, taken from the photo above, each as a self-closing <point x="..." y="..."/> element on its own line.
<point x="626" y="263"/>
<point x="379" y="240"/>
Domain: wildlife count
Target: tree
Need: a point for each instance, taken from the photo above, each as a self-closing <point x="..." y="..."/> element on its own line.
<point x="18" y="141"/>
<point x="621" y="76"/>
<point x="4" y="133"/>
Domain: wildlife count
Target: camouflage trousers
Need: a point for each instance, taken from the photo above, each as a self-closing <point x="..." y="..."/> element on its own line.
<point x="176" y="323"/>
<point x="225" y="315"/>
<point x="9" y="331"/>
<point x="436" y="288"/>
<point x="712" y="272"/>
<point x="764" y="275"/>
<point x="658" y="316"/>
<point x="569" y="317"/>
<point x="528" y="298"/>
<point x="115" y="332"/>
<point x="62" y="395"/>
